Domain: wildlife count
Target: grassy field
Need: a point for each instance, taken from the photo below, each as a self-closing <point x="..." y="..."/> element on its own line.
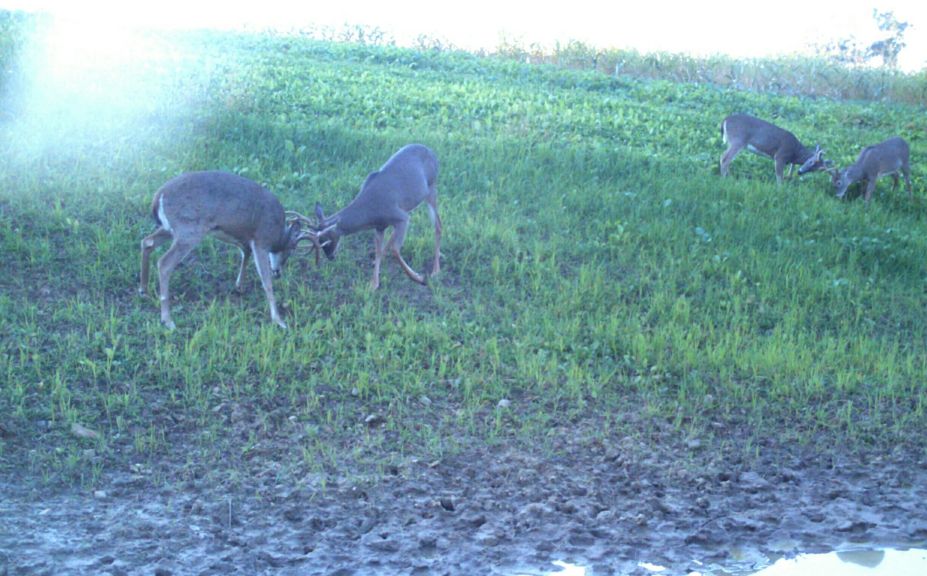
<point x="594" y="262"/>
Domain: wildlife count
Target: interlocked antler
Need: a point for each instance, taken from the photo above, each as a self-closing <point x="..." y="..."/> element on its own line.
<point x="311" y="235"/>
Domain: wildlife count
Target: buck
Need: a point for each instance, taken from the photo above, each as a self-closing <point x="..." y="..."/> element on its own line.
<point x="233" y="209"/>
<point x="883" y="159"/>
<point x="741" y="131"/>
<point x="386" y="199"/>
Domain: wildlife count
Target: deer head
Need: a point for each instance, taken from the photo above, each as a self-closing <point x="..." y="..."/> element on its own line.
<point x="815" y="163"/>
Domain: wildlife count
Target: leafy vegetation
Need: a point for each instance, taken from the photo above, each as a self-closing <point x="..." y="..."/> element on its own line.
<point x="594" y="262"/>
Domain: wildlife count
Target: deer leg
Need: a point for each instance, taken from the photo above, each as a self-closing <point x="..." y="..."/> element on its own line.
<point x="732" y="151"/>
<point x="262" y="263"/>
<point x="166" y="264"/>
<point x="906" y="172"/>
<point x="377" y="258"/>
<point x="870" y="186"/>
<point x="149" y="243"/>
<point x="432" y="201"/>
<point x="395" y="245"/>
<point x="780" y="168"/>
<point x="894" y="182"/>
<point x="245" y="255"/>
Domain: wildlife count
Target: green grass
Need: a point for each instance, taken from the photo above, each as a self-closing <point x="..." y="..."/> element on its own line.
<point x="594" y="263"/>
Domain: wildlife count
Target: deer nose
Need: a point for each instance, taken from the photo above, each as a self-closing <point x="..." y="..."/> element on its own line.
<point x="276" y="273"/>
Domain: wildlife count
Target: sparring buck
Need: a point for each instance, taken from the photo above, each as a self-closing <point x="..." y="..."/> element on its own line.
<point x="385" y="199"/>
<point x="235" y="210"/>
<point x="741" y="131"/>
<point x="883" y="159"/>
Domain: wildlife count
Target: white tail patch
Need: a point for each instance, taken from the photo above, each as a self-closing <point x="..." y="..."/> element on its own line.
<point x="162" y="216"/>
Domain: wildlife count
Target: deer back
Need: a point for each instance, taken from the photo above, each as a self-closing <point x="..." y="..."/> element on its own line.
<point x="884" y="157"/>
<point x="390" y="193"/>
<point x="232" y="207"/>
<point x="770" y="140"/>
<point x="874" y="161"/>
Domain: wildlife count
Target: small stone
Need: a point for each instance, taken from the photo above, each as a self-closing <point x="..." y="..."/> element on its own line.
<point x="82" y="431"/>
<point x="374" y="420"/>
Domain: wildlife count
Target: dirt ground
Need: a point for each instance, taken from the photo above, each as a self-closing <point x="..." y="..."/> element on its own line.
<point x="607" y="503"/>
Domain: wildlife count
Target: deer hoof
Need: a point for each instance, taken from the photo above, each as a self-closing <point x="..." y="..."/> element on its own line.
<point x="169" y="324"/>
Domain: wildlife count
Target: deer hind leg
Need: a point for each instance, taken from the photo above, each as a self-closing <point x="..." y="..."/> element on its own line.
<point x="149" y="243"/>
<point x="166" y="264"/>
<point x="262" y="263"/>
<point x="395" y="245"/>
<point x="432" y="202"/>
<point x="732" y="151"/>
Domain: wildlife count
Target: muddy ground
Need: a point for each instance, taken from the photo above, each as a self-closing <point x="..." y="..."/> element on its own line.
<point x="604" y="501"/>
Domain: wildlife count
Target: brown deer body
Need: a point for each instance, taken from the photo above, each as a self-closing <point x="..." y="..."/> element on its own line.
<point x="886" y="158"/>
<point x="385" y="200"/>
<point x="230" y="207"/>
<point x="741" y="131"/>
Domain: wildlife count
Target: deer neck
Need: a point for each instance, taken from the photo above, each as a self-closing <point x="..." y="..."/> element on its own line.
<point x="802" y="154"/>
<point x="350" y="219"/>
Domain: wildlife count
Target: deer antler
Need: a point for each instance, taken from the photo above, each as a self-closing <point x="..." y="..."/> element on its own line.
<point x="312" y="234"/>
<point x="314" y="238"/>
<point x="292" y="215"/>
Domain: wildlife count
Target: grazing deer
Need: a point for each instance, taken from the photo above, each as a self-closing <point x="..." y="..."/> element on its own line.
<point x="889" y="157"/>
<point x="385" y="199"/>
<point x="235" y="210"/>
<point x="741" y="131"/>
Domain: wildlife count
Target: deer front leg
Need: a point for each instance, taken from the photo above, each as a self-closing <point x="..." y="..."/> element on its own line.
<point x="780" y="169"/>
<point x="395" y="245"/>
<point x="149" y="243"/>
<point x="906" y="172"/>
<point x="177" y="252"/>
<point x="245" y="255"/>
<point x="436" y="221"/>
<point x="377" y="258"/>
<point x="870" y="187"/>
<point x="262" y="263"/>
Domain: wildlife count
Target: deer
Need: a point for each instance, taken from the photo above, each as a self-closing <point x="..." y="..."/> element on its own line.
<point x="741" y="131"/>
<point x="886" y="158"/>
<point x="386" y="199"/>
<point x="231" y="208"/>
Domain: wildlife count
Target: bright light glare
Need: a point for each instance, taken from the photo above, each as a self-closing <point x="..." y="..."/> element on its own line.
<point x="733" y="27"/>
<point x="85" y="79"/>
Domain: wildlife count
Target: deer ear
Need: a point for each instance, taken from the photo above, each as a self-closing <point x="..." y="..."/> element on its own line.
<point x="319" y="213"/>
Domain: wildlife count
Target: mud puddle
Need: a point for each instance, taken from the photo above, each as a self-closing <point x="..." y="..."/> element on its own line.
<point x="607" y="505"/>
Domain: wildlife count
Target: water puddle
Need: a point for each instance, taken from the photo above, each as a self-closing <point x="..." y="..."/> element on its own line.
<point x="889" y="562"/>
<point x="866" y="562"/>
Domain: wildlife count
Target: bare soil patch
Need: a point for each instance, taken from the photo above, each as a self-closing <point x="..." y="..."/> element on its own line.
<point x="606" y="502"/>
